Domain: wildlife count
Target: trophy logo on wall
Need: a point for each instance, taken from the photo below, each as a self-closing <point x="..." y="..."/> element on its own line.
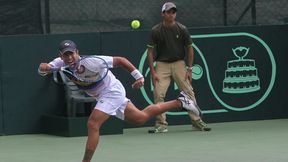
<point x="241" y="75"/>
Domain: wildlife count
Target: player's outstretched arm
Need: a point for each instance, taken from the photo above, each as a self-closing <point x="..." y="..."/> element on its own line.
<point x="44" y="69"/>
<point x="126" y="64"/>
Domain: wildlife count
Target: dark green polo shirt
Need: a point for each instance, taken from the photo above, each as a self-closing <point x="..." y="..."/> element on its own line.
<point x="170" y="43"/>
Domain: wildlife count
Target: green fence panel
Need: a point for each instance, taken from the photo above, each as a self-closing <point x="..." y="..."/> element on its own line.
<point x="1" y="102"/>
<point x="242" y="72"/>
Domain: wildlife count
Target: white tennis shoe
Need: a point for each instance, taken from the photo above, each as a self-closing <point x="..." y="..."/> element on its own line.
<point x="188" y="104"/>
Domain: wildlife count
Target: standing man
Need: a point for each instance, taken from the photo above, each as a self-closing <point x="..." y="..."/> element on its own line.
<point x="170" y="40"/>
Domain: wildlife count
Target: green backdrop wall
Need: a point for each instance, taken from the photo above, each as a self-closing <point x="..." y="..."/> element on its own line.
<point x="1" y="102"/>
<point x="25" y="96"/>
<point x="267" y="49"/>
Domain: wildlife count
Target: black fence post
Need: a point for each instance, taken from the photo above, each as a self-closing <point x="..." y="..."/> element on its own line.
<point x="225" y="12"/>
<point x="47" y="16"/>
<point x="253" y="11"/>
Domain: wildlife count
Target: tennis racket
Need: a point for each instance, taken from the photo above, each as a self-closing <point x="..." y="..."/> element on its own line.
<point x="87" y="72"/>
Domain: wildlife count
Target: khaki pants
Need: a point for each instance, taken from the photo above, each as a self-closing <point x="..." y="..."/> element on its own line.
<point x="165" y="72"/>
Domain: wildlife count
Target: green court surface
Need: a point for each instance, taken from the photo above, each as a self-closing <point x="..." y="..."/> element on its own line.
<point x="245" y="141"/>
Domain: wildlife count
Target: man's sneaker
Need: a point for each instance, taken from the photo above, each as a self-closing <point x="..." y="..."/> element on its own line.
<point x="158" y="130"/>
<point x="188" y="104"/>
<point x="200" y="125"/>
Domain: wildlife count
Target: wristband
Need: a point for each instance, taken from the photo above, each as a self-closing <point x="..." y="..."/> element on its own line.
<point x="189" y="68"/>
<point x="136" y="74"/>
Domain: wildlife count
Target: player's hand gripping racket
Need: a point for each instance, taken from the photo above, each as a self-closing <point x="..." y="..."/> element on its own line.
<point x="86" y="72"/>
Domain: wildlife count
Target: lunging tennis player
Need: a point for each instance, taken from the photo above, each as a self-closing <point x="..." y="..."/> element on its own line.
<point x="111" y="95"/>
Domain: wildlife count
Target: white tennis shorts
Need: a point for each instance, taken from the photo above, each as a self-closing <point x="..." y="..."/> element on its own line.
<point x="113" y="102"/>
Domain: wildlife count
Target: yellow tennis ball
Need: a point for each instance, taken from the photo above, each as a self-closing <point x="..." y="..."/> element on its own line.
<point x="135" y="24"/>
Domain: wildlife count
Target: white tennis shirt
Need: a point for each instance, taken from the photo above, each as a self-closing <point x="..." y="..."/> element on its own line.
<point x="109" y="84"/>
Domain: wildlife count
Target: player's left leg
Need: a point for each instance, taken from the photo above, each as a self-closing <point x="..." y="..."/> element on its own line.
<point x="134" y="115"/>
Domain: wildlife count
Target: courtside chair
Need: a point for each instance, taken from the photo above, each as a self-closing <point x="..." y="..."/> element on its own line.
<point x="75" y="97"/>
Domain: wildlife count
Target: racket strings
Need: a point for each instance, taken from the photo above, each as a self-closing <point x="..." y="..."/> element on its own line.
<point x="88" y="72"/>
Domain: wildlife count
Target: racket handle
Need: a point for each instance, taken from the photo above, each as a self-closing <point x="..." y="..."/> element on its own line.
<point x="42" y="73"/>
<point x="52" y="69"/>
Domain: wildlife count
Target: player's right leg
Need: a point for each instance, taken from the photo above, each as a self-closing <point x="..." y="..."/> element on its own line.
<point x="96" y="119"/>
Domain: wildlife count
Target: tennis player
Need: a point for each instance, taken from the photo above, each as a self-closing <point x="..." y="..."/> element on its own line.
<point x="111" y="96"/>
